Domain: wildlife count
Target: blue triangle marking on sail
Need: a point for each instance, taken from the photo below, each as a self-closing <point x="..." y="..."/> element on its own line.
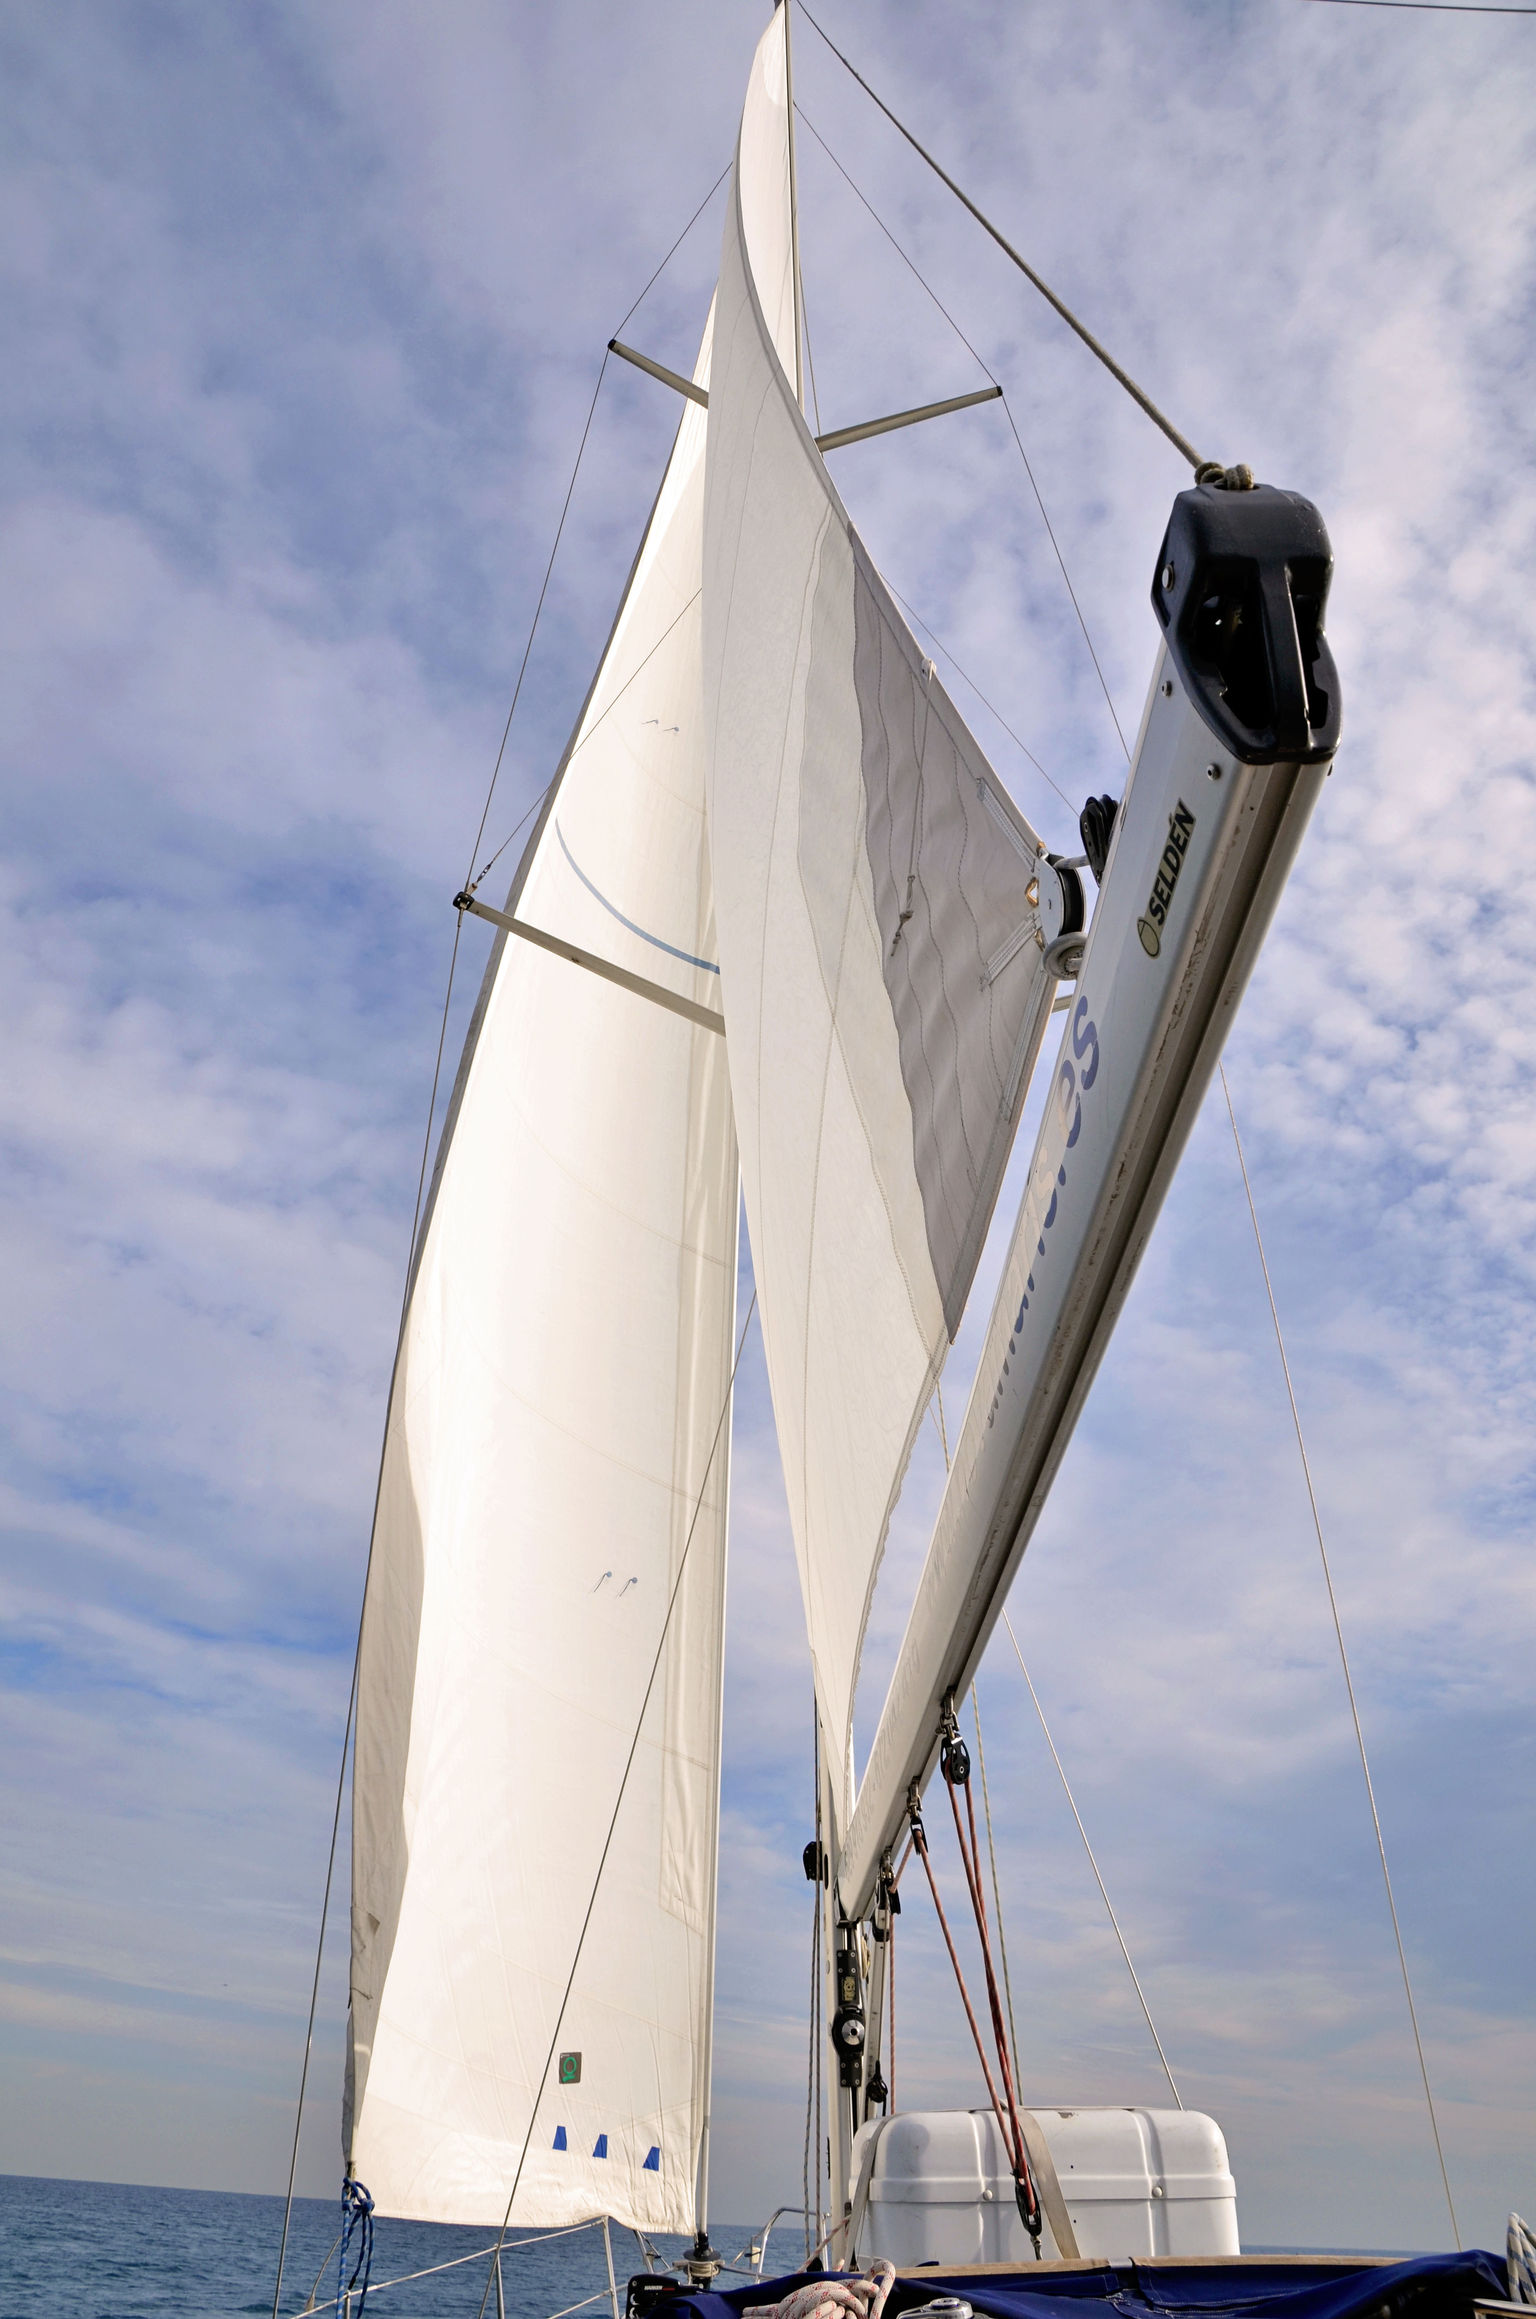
<point x="600" y="2146"/>
<point x="652" y="2160"/>
<point x="559" y="2137"/>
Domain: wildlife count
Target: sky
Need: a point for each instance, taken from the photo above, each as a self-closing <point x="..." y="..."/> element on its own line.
<point x="306" y="307"/>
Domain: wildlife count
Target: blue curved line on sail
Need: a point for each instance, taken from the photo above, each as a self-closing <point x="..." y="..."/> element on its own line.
<point x="655" y="940"/>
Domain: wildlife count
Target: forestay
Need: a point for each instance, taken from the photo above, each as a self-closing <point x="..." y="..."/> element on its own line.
<point x="556" y="1446"/>
<point x="880" y="970"/>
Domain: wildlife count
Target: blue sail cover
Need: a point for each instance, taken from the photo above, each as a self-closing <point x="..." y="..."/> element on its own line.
<point x="1429" y="2286"/>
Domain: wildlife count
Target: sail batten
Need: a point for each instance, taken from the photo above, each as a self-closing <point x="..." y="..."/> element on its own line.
<point x="878" y="1041"/>
<point x="557" y="1446"/>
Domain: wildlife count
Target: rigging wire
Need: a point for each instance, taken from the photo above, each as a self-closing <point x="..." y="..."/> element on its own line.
<point x="569" y="760"/>
<point x="985" y="367"/>
<point x="890" y="1983"/>
<point x="810" y="363"/>
<point x="1137" y="394"/>
<point x="421" y="1179"/>
<point x="937" y="1405"/>
<point x="676" y="246"/>
<point x="1438" y="7"/>
<point x="954" y="1773"/>
<point x="997" y="1895"/>
<point x="1349" y="1684"/>
<point x="357" y="1648"/>
<point x="820" y="2152"/>
<point x="940" y="646"/>
<point x="970" y="1853"/>
<point x="618" y="1802"/>
<point x="920" y="1846"/>
<point x="1093" y="1864"/>
<point x="812" y="2105"/>
<point x="1098" y="669"/>
<point x="472" y="882"/>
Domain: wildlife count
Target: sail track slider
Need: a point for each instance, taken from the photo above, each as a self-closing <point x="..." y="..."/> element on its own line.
<point x="841" y="435"/>
<point x="706" y="1017"/>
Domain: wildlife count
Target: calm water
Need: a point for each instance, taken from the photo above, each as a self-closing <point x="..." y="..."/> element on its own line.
<point x="106" y="2250"/>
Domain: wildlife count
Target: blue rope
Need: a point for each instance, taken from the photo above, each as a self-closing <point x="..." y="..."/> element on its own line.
<point x="356" y="2217"/>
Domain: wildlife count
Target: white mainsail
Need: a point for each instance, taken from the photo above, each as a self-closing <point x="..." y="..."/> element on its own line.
<point x="556" y="1446"/>
<point x="882" y="984"/>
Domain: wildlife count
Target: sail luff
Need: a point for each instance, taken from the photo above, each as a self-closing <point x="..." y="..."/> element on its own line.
<point x="794" y="205"/>
<point x="881" y="973"/>
<point x="525" y="860"/>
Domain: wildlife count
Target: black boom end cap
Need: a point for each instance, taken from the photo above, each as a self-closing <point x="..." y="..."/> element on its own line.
<point x="1241" y="588"/>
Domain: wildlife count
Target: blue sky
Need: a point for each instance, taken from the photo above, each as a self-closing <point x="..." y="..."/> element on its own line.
<point x="306" y="309"/>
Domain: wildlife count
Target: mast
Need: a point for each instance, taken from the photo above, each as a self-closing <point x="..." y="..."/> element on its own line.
<point x="794" y="206"/>
<point x="701" y="2246"/>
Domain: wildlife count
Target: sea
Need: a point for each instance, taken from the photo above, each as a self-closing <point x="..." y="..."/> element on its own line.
<point x="111" y="2250"/>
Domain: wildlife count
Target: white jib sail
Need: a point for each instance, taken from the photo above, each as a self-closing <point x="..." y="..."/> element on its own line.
<point x="880" y="975"/>
<point x="557" y="1443"/>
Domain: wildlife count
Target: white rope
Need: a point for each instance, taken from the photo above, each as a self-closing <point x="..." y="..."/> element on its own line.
<point x="1349" y="1685"/>
<point x="859" y="2298"/>
<point x="1093" y="1864"/>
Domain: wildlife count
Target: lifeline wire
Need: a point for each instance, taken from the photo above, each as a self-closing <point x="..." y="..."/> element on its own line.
<point x="982" y="365"/>
<point x="1349" y="1684"/>
<point x="454" y="2263"/>
<point x="1093" y="1864"/>
<point x="634" y="1748"/>
<point x="1136" y="393"/>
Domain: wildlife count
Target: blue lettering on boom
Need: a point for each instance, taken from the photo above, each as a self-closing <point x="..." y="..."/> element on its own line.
<point x="1070" y="1088"/>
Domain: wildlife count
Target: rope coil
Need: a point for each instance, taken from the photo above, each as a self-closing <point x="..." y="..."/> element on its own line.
<point x="863" y="2297"/>
<point x="357" y="2222"/>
